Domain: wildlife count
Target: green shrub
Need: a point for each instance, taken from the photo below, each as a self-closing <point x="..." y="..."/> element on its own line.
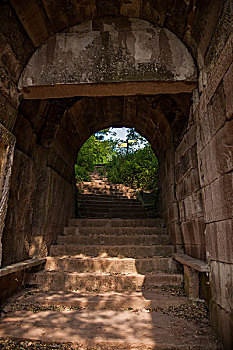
<point x="138" y="169"/>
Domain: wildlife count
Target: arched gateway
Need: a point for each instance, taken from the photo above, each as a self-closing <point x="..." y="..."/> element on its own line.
<point x="121" y="71"/>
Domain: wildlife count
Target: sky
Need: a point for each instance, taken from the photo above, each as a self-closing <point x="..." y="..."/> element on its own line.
<point x="121" y="133"/>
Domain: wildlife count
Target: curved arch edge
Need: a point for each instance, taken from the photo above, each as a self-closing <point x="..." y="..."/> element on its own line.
<point x="82" y="62"/>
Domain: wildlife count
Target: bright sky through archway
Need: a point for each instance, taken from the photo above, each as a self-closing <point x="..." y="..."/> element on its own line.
<point x="121" y="134"/>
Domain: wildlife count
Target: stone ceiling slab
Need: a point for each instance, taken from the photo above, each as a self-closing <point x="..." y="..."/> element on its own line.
<point x="122" y="52"/>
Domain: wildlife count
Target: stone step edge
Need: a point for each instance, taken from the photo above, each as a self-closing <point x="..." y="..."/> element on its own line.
<point x="106" y="220"/>
<point x="103" y="274"/>
<point x="114" y="246"/>
<point x="107" y="235"/>
<point x="68" y="257"/>
<point x="68" y="232"/>
<point x="103" y="300"/>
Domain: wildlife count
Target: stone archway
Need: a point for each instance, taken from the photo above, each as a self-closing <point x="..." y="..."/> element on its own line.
<point x="206" y="29"/>
<point x="100" y="58"/>
<point x="129" y="54"/>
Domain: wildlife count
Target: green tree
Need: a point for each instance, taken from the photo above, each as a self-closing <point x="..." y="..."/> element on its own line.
<point x="96" y="150"/>
<point x="133" y="166"/>
<point x="138" y="169"/>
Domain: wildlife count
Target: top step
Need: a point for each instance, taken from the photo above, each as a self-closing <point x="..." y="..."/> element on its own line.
<point x="106" y="185"/>
<point x="117" y="222"/>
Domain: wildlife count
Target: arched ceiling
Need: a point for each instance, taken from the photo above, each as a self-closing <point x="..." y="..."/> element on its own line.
<point x="26" y="25"/>
<point x="42" y="18"/>
<point x="70" y="122"/>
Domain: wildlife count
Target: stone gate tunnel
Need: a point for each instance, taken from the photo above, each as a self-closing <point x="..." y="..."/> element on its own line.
<point x="165" y="68"/>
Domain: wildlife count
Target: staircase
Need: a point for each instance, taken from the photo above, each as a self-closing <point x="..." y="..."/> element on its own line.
<point x="101" y="199"/>
<point x="107" y="282"/>
<point x="111" y="253"/>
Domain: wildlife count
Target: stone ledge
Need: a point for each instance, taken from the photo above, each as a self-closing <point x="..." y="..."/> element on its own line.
<point x="195" y="264"/>
<point x="23" y="265"/>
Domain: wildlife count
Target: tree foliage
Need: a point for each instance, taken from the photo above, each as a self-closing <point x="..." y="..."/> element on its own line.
<point x="95" y="150"/>
<point x="138" y="169"/>
<point x="132" y="166"/>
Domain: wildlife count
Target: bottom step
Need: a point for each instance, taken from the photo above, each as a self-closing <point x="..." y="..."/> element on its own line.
<point x="54" y="300"/>
<point x="101" y="282"/>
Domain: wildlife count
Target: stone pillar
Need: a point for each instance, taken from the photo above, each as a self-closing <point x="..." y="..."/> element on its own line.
<point x="191" y="282"/>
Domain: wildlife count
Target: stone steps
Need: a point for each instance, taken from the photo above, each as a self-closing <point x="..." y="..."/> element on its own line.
<point x="127" y="251"/>
<point x="103" y="187"/>
<point x="124" y="209"/>
<point x="86" y="222"/>
<point x="111" y="239"/>
<point x="107" y="186"/>
<point x="103" y="204"/>
<point x="111" y="265"/>
<point x="111" y="215"/>
<point x="111" y="230"/>
<point x="99" y="197"/>
<point x="102" y="282"/>
<point x="109" y="192"/>
<point x="98" y="301"/>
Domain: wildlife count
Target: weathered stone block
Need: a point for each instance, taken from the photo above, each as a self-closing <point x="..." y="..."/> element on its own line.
<point x="130" y="8"/>
<point x="8" y="88"/>
<point x="16" y="36"/>
<point x="16" y="235"/>
<point x="216" y="158"/>
<point x="191" y="282"/>
<point x="228" y="89"/>
<point x="221" y="282"/>
<point x="205" y="27"/>
<point x="175" y="233"/>
<point x="188" y="141"/>
<point x="222" y="322"/>
<point x="26" y="136"/>
<point x="191" y="207"/>
<point x="197" y="251"/>
<point x="193" y="231"/>
<point x="86" y="10"/>
<point x="171" y="214"/>
<point x="218" y="199"/>
<point x="219" y="241"/>
<point x="211" y="121"/>
<point x="187" y="162"/>
<point x="8" y="113"/>
<point x="40" y="29"/>
<point x="9" y="61"/>
<point x="188" y="184"/>
<point x="219" y="68"/>
<point x="168" y="197"/>
<point x="7" y="143"/>
<point x="109" y="8"/>
<point x="155" y="12"/>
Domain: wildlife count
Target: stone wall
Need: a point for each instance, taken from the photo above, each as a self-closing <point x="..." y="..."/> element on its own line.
<point x="15" y="48"/>
<point x="42" y="192"/>
<point x="189" y="195"/>
<point x="169" y="204"/>
<point x="214" y="115"/>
